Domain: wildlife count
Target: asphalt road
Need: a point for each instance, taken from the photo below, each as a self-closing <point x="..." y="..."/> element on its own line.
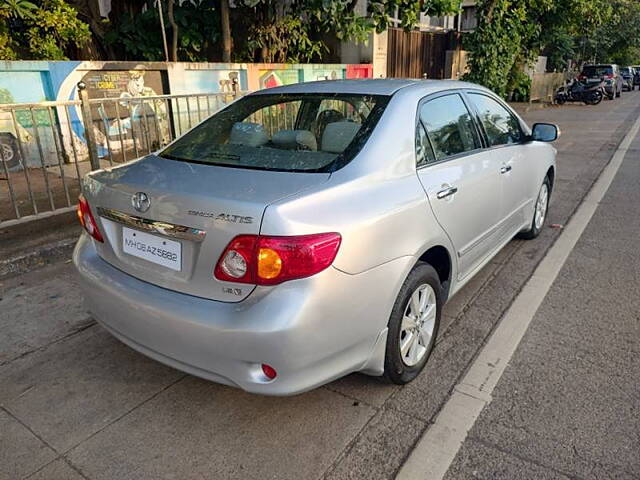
<point x="75" y="403"/>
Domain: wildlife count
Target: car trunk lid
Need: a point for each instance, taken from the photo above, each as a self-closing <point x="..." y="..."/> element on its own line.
<point x="187" y="214"/>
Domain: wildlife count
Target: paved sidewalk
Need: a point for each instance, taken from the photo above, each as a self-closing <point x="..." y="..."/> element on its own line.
<point x="568" y="405"/>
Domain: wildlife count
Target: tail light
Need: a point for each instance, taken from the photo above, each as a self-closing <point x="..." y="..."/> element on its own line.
<point x="582" y="77"/>
<point x="270" y="260"/>
<point x="87" y="220"/>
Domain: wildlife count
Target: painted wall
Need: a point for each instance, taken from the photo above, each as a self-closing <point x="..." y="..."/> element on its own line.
<point x="38" y="81"/>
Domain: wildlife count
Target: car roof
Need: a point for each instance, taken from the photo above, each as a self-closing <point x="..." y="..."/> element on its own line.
<point x="368" y="86"/>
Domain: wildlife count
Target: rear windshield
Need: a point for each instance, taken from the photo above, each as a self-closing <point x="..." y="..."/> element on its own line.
<point x="292" y="132"/>
<point x="625" y="70"/>
<point x="597" y="70"/>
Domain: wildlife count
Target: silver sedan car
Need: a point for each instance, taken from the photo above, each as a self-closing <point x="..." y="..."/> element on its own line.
<point x="313" y="230"/>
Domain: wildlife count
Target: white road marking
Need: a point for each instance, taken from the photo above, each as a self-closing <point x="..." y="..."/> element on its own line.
<point x="436" y="450"/>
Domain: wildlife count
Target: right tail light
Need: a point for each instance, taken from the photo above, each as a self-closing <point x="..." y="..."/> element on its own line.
<point x="270" y="260"/>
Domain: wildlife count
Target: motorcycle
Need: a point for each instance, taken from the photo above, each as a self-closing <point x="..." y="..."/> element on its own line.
<point x="591" y="93"/>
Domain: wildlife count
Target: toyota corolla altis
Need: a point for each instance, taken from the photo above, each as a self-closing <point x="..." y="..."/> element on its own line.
<point x="313" y="230"/>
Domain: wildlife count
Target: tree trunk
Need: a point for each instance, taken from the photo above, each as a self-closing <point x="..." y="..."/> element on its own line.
<point x="226" y="31"/>
<point x="173" y="50"/>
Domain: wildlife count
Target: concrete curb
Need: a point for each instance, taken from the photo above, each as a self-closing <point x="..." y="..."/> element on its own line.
<point x="38" y="257"/>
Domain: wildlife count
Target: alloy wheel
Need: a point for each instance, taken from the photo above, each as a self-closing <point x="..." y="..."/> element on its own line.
<point x="418" y="323"/>
<point x="541" y="206"/>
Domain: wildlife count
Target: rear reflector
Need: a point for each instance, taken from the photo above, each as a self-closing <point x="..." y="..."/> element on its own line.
<point x="270" y="260"/>
<point x="86" y="219"/>
<point x="269" y="371"/>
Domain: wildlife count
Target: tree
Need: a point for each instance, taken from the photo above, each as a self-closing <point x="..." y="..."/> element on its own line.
<point x="296" y="31"/>
<point x="511" y="34"/>
<point x="226" y="30"/>
<point x="43" y="31"/>
<point x="173" y="50"/>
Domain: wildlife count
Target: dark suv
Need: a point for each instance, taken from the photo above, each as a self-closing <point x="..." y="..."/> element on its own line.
<point x="609" y="72"/>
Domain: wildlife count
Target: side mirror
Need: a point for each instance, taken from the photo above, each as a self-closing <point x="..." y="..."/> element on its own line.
<point x="544" y="132"/>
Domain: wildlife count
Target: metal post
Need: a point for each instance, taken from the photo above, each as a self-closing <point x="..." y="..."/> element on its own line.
<point x="89" y="134"/>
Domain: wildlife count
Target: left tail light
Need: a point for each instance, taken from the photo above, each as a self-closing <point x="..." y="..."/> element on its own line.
<point x="86" y="219"/>
<point x="270" y="260"/>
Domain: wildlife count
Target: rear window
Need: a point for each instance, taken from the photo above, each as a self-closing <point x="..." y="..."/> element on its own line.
<point x="597" y="70"/>
<point x="292" y="132"/>
<point x="625" y="70"/>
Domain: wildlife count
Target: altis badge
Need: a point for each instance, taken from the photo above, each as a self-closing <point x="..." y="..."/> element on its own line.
<point x="223" y="217"/>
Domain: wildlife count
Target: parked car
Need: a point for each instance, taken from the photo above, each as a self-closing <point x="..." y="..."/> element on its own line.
<point x="628" y="77"/>
<point x="609" y="72"/>
<point x="309" y="231"/>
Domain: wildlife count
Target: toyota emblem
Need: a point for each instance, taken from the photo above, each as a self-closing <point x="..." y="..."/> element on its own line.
<point x="140" y="201"/>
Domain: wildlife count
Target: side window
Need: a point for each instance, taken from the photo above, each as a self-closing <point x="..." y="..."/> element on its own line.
<point x="501" y="127"/>
<point x="449" y="126"/>
<point x="424" y="152"/>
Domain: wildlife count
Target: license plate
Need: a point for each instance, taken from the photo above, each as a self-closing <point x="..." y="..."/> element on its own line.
<point x="152" y="248"/>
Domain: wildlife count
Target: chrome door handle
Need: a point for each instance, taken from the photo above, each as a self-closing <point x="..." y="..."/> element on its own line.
<point x="505" y="169"/>
<point x="446" y="192"/>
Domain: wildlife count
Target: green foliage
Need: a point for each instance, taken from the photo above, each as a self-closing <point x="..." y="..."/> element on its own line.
<point x="496" y="46"/>
<point x="618" y="38"/>
<point x="296" y="31"/>
<point x="512" y="33"/>
<point x="17" y="9"/>
<point x="560" y="49"/>
<point x="40" y="32"/>
<point x="285" y="40"/>
<point x="408" y="11"/>
<point x="138" y="36"/>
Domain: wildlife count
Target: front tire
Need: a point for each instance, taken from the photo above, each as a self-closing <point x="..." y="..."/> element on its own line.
<point x="413" y="324"/>
<point x="539" y="212"/>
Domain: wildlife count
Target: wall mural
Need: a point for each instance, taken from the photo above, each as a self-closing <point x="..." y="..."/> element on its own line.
<point x="128" y="124"/>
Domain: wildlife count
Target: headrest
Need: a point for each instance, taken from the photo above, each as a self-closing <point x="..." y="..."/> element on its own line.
<point x="249" y="134"/>
<point x="295" y="139"/>
<point x="338" y="135"/>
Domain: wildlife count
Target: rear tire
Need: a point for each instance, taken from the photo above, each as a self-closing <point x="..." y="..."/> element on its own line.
<point x="413" y="325"/>
<point x="540" y="211"/>
<point x="594" y="99"/>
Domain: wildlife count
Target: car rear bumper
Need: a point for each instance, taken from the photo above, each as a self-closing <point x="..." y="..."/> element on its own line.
<point x="311" y="330"/>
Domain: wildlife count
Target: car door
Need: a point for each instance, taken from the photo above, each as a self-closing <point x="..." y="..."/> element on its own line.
<point x="504" y="137"/>
<point x="462" y="182"/>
